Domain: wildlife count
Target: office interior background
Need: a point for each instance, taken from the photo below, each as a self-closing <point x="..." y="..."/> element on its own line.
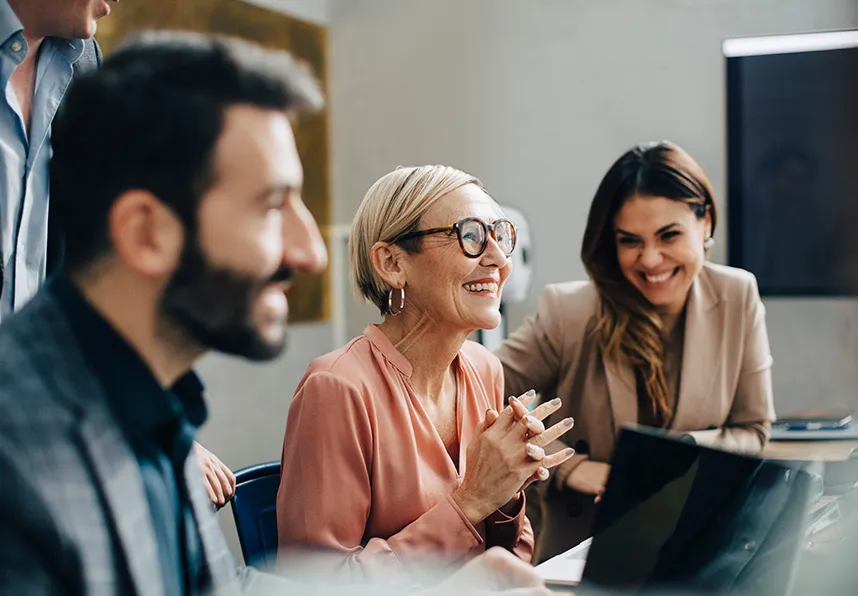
<point x="537" y="98"/>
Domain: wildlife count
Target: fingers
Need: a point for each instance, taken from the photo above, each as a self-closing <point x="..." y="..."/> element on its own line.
<point x="210" y="490"/>
<point x="511" y="570"/>
<point x="527" y="398"/>
<point x="488" y="420"/>
<point x="219" y="479"/>
<point x="517" y="408"/>
<point x="558" y="458"/>
<point x="540" y="475"/>
<point x="227" y="487"/>
<point x="213" y="482"/>
<point x="532" y="425"/>
<point x="543" y="411"/>
<point x="215" y="488"/>
<point x="533" y="421"/>
<point x="553" y="433"/>
<point x="494" y="572"/>
<point x="231" y="477"/>
<point x="534" y="452"/>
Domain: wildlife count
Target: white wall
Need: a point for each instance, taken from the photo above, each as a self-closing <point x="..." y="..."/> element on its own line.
<point x="538" y="98"/>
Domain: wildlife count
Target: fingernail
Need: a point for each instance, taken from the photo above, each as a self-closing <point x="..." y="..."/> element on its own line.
<point x="569" y="421"/>
<point x="531" y="449"/>
<point x="513" y="399"/>
<point x="531" y="393"/>
<point x="528" y="420"/>
<point x="569" y="451"/>
<point x="555" y="402"/>
<point x="543" y="474"/>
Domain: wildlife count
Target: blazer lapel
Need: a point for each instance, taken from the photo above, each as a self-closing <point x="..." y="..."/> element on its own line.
<point x="119" y="477"/>
<point x="701" y="353"/>
<point x="116" y="468"/>
<point x="622" y="391"/>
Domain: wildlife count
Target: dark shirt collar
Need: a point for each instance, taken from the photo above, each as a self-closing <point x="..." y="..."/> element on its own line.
<point x="143" y="408"/>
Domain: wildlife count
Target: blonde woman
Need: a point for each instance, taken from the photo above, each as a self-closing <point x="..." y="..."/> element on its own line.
<point x="398" y="450"/>
<point x="658" y="336"/>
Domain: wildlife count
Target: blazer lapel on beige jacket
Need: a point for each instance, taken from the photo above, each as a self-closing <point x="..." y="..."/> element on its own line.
<point x="701" y="359"/>
<point x="701" y="356"/>
<point x="623" y="394"/>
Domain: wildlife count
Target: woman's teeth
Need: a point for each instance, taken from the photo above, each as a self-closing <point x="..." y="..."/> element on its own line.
<point x="489" y="287"/>
<point x="655" y="279"/>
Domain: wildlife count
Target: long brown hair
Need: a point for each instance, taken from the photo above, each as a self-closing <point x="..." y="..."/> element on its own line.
<point x="629" y="326"/>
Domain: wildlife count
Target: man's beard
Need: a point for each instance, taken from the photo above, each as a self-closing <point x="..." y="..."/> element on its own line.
<point x="213" y="306"/>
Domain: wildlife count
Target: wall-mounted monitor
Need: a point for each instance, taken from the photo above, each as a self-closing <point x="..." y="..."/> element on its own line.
<point x="792" y="161"/>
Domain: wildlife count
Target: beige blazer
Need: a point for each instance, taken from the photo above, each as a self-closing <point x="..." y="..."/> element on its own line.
<point x="725" y="387"/>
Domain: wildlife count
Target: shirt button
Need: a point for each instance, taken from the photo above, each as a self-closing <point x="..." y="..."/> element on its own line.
<point x="749" y="546"/>
<point x="17" y="46"/>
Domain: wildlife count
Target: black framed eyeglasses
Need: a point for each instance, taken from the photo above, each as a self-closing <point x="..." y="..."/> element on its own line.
<point x="473" y="234"/>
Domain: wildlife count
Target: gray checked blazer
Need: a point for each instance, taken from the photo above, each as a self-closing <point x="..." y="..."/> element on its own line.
<point x="74" y="518"/>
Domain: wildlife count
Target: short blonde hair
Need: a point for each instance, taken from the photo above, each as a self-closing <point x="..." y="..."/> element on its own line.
<point x="394" y="206"/>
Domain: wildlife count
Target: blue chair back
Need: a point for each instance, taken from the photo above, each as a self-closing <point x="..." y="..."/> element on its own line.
<point x="254" y="508"/>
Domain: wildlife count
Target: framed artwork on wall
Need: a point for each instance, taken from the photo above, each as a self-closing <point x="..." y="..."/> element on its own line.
<point x="310" y="297"/>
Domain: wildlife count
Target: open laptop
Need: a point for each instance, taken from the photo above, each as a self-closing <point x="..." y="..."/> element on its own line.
<point x="678" y="518"/>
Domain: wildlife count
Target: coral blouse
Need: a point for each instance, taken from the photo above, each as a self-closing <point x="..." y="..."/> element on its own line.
<point x="366" y="477"/>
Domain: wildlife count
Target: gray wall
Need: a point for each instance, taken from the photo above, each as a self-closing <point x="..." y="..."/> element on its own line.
<point x="314" y="11"/>
<point x="248" y="402"/>
<point x="538" y="98"/>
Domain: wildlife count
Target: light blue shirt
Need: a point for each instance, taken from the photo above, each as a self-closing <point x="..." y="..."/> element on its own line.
<point x="24" y="159"/>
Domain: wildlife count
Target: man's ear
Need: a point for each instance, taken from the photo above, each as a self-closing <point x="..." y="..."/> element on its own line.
<point x="388" y="260"/>
<point x="146" y="235"/>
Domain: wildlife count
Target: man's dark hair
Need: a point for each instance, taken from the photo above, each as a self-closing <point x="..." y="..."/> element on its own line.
<point x="150" y="119"/>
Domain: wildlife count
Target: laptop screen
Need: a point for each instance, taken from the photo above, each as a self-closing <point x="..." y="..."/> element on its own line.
<point x="678" y="517"/>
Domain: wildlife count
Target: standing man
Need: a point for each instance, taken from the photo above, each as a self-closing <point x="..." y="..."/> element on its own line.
<point x="43" y="45"/>
<point x="182" y="237"/>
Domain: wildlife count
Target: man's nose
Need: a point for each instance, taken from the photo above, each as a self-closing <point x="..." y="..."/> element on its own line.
<point x="303" y="247"/>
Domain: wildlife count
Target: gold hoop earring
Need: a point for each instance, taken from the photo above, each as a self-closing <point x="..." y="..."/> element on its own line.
<point x="401" y="302"/>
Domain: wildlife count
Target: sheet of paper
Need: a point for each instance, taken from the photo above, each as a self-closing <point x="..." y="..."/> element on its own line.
<point x="566" y="568"/>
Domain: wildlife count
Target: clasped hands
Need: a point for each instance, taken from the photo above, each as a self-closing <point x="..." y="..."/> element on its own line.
<point x="506" y="454"/>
